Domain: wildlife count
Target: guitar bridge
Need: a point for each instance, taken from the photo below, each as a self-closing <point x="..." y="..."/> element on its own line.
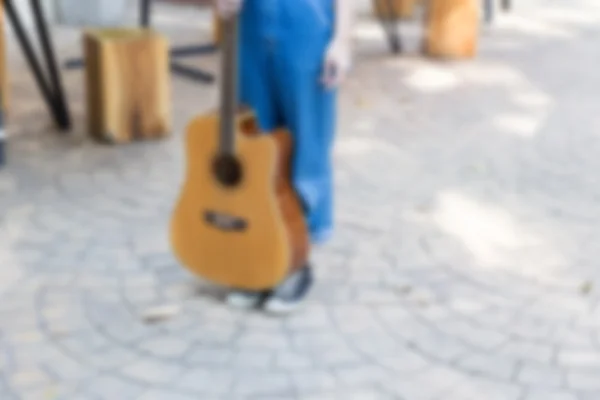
<point x="225" y="222"/>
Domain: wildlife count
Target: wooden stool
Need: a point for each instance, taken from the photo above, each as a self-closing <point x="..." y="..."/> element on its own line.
<point x="402" y="8"/>
<point x="128" y="84"/>
<point x="216" y="33"/>
<point x="452" y="28"/>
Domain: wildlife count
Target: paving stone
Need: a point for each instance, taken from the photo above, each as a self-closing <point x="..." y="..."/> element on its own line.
<point x="312" y="318"/>
<point x="215" y="334"/>
<point x="29" y="378"/>
<point x="528" y="351"/>
<point x="271" y="383"/>
<point x="337" y="356"/>
<point x="157" y="394"/>
<point x="210" y="356"/>
<point x="361" y="375"/>
<point x="171" y="347"/>
<point x="207" y="381"/>
<point x="439" y="346"/>
<point x="580" y="358"/>
<point x="292" y="361"/>
<point x="128" y="332"/>
<point x="65" y="369"/>
<point x="484" y="339"/>
<point x="252" y="359"/>
<point x="589" y="395"/>
<point x="539" y="394"/>
<point x="112" y="358"/>
<point x="314" y="342"/>
<point x="107" y="387"/>
<point x="541" y="375"/>
<point x="489" y="365"/>
<point x="266" y="341"/>
<point x="152" y="372"/>
<point x="26" y="337"/>
<point x="584" y="381"/>
<point x="576" y="338"/>
<point x="406" y="362"/>
<point x="51" y="391"/>
<point x="85" y="343"/>
<point x="314" y="381"/>
<point x="472" y="389"/>
<point x="32" y="356"/>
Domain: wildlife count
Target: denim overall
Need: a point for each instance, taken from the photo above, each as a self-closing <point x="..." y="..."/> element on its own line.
<point x="282" y="49"/>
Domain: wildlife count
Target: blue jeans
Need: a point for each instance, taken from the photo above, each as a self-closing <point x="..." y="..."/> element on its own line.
<point x="282" y="47"/>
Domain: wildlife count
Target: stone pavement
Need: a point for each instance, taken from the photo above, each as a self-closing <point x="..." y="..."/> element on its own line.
<point x="464" y="265"/>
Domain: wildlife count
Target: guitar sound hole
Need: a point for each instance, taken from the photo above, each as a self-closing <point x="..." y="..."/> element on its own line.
<point x="228" y="170"/>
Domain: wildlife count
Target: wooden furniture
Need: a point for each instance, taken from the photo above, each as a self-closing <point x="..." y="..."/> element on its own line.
<point x="217" y="29"/>
<point x="452" y="28"/>
<point x="128" y="86"/>
<point x="402" y="8"/>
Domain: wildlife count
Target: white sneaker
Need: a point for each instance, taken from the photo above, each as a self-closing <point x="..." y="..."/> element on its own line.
<point x="290" y="295"/>
<point x="244" y="299"/>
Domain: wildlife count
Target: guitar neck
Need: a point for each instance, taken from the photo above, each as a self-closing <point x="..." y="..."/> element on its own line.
<point x="229" y="95"/>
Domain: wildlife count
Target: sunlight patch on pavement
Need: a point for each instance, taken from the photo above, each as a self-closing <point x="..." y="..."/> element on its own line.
<point x="432" y="79"/>
<point x="492" y="235"/>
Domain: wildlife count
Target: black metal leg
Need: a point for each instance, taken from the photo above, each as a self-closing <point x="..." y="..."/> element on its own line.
<point x="390" y="25"/>
<point x="506" y="5"/>
<point x="145" y="13"/>
<point x="193" y="50"/>
<point x="63" y="116"/>
<point x="488" y="10"/>
<point x="192" y="73"/>
<point x="51" y="101"/>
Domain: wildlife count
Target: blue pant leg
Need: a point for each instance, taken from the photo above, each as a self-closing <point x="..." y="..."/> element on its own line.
<point x="255" y="82"/>
<point x="309" y="111"/>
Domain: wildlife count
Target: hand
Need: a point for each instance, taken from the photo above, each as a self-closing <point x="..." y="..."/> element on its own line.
<point x="337" y="62"/>
<point x="228" y="8"/>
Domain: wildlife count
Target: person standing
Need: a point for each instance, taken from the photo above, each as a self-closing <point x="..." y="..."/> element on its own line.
<point x="293" y="55"/>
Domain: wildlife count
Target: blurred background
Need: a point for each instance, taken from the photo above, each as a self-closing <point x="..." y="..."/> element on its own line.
<point x="463" y="266"/>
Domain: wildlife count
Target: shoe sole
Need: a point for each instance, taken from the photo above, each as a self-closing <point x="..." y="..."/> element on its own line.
<point x="244" y="302"/>
<point x="281" y="308"/>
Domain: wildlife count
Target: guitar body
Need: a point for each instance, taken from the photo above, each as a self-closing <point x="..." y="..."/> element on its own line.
<point x="245" y="236"/>
<point x="452" y="28"/>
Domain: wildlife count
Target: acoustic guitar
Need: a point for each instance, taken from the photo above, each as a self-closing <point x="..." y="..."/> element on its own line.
<point x="238" y="221"/>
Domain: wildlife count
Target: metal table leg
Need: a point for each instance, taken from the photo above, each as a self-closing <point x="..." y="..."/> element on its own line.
<point x="390" y="25"/>
<point x="192" y="73"/>
<point x="488" y="10"/>
<point x="48" y="50"/>
<point x="52" y="91"/>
